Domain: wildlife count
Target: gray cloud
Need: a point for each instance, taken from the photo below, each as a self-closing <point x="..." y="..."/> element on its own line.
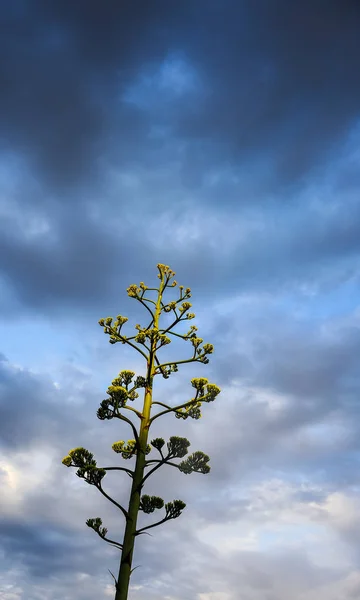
<point x="259" y="96"/>
<point x="278" y="81"/>
<point x="59" y="101"/>
<point x="282" y="82"/>
<point x="32" y="409"/>
<point x="223" y="143"/>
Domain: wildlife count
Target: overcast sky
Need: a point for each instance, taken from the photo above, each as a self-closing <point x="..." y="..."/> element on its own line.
<point x="222" y="139"/>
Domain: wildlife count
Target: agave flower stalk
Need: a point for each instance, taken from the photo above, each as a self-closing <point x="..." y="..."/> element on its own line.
<point x="122" y="391"/>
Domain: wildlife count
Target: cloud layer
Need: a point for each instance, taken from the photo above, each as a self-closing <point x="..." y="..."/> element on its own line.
<point x="223" y="141"/>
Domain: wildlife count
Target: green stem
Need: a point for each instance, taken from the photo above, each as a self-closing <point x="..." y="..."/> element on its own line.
<point x="137" y="412"/>
<point x="142" y="300"/>
<point x="139" y="531"/>
<point x="125" y="570"/>
<point x="179" y="362"/>
<point x="112" y="500"/>
<point x="174" y="409"/>
<point x="126" y="341"/>
<point x="112" y="542"/>
<point x="123" y="418"/>
<point x="128" y="471"/>
<point x="160" y="463"/>
<point x="183" y="337"/>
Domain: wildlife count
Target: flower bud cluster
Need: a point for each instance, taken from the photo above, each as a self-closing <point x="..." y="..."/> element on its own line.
<point x="129" y="449"/>
<point x="158" y="443"/>
<point x="153" y="335"/>
<point x="201" y="352"/>
<point x="185" y="306"/>
<point x="195" y="463"/>
<point x="191" y="333"/>
<point x="192" y="409"/>
<point x="177" y="447"/>
<point x="82" y="458"/>
<point x="166" y="371"/>
<point x="208" y="348"/>
<point x="165" y="270"/>
<point x="149" y="503"/>
<point x="182" y="308"/>
<point x="119" y="394"/>
<point x="140" y="382"/>
<point x="95" y="524"/>
<point x="196" y="342"/>
<point x="113" y="329"/>
<point x="199" y="383"/>
<point x="107" y="410"/>
<point x="108" y="322"/>
<point x="124" y="378"/>
<point x="212" y="391"/>
<point x="187" y="293"/>
<point x="170" y="306"/>
<point x="133" y="291"/>
<point x="173" y="509"/>
<point x="207" y="391"/>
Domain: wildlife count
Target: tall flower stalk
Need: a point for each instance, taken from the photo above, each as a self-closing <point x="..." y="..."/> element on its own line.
<point x="123" y="389"/>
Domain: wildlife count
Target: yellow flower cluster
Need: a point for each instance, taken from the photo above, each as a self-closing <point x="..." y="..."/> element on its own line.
<point x="129" y="449"/>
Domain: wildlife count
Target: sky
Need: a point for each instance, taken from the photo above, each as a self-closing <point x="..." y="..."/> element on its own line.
<point x="221" y="139"/>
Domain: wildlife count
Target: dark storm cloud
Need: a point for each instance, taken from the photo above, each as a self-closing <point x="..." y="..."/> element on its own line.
<point x="283" y="81"/>
<point x="84" y="261"/>
<point x="273" y="83"/>
<point x="62" y="70"/>
<point x="280" y="80"/>
<point x="77" y="262"/>
<point x="45" y="548"/>
<point x="31" y="409"/>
